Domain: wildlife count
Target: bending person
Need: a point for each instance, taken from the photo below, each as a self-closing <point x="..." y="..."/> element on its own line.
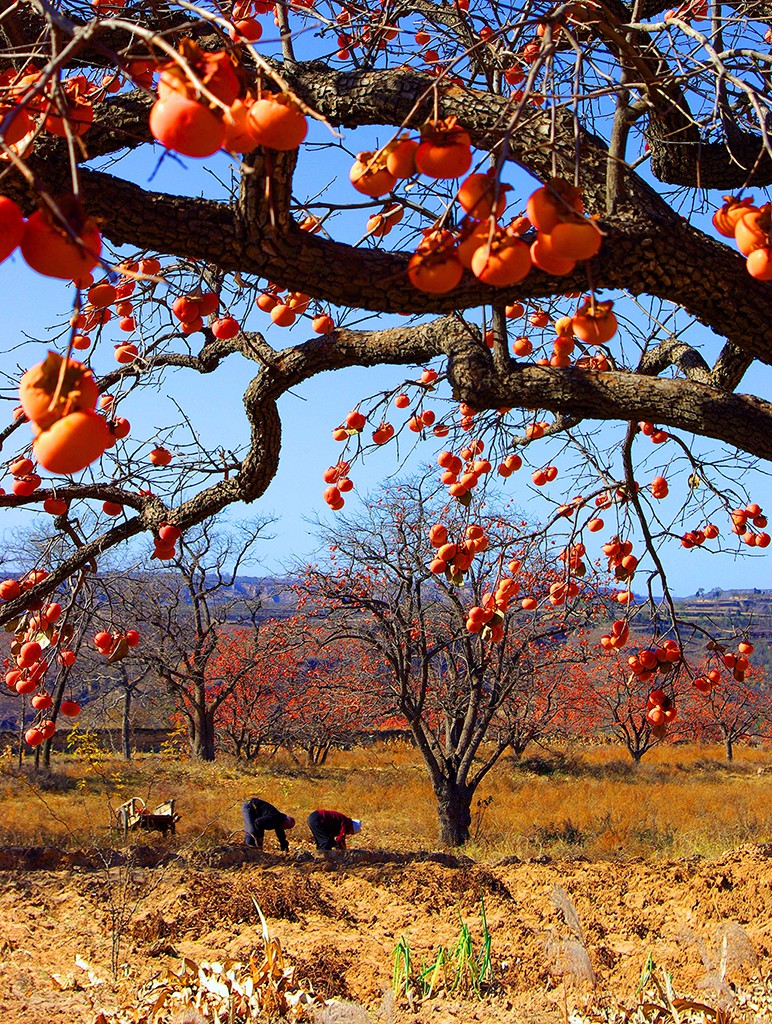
<point x="260" y="816"/>
<point x="330" y="828"/>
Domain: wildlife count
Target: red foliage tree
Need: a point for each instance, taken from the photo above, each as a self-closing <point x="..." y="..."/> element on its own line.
<point x="729" y="709"/>
<point x="606" y="697"/>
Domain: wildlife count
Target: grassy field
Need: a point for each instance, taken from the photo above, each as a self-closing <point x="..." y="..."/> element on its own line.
<point x="562" y="802"/>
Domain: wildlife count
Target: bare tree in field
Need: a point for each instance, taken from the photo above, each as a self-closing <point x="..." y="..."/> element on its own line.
<point x="186" y="616"/>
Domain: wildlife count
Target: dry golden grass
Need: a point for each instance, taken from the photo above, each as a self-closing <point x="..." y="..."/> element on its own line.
<point x="589" y="800"/>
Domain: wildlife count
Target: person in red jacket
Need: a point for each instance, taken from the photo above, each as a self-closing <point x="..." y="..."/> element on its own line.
<point x="330" y="828"/>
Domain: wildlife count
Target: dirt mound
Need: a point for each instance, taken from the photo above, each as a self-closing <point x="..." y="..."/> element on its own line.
<point x="340" y="920"/>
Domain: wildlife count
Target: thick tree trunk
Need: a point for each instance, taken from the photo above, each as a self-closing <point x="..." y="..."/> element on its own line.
<point x="454" y="803"/>
<point x="729" y="746"/>
<point x="202" y="746"/>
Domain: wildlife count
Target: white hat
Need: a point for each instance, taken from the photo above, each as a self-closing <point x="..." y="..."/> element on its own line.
<point x="357" y="825"/>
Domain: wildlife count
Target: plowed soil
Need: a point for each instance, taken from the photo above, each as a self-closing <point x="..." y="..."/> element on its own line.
<point x="339" y="923"/>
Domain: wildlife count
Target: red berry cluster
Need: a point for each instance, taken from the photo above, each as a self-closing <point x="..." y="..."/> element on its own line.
<point x="487" y="618"/>
<point x="463" y="472"/>
<point x="617" y="638"/>
<point x="651" y="431"/>
<point x="744" y="523"/>
<point x="191" y="309"/>
<point x="738" y="664"/>
<point x="455" y="558"/>
<point x="696" y="538"/>
<point x="337" y="477"/>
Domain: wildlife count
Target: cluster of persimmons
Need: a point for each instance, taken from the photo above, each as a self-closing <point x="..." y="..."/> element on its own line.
<point x="496" y="253"/>
<point x="41" y="638"/>
<point x="26" y="668"/>
<point x="749" y="225"/>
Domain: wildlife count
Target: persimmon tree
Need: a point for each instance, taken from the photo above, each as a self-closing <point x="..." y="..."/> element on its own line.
<point x="335" y="696"/>
<point x="187" y="616"/>
<point x="606" y="697"/>
<point x="127" y="685"/>
<point x="52" y="656"/>
<point x="455" y="674"/>
<point x="293" y="693"/>
<point x="539" y="707"/>
<point x="534" y="167"/>
<point x="727" y="702"/>
<point x="250" y="714"/>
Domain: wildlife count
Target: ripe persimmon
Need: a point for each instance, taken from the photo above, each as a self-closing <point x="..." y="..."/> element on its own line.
<point x="21" y="467"/>
<point x="444" y="151"/>
<point x="120" y="427"/>
<point x="595" y="323"/>
<point x="48" y="393"/>
<point x="246" y="30"/>
<point x="226" y="328"/>
<point x="545" y="258"/>
<point x="277" y="122"/>
<point x="239" y="137"/>
<point x="186" y="126"/>
<point x="478" y="193"/>
<point x="73" y="108"/>
<point x="383" y="433"/>
<point x="47" y="728"/>
<point x="400" y="157"/>
<point x="9" y="589"/>
<point x="435" y="267"/>
<point x="752" y="229"/>
<point x="725" y="219"/>
<point x="160" y="457"/>
<point x="18" y="125"/>
<point x="33" y="736"/>
<point x="283" y="315"/>
<point x="72" y="442"/>
<point x="370" y="175"/>
<point x="505" y="261"/>
<point x="575" y="238"/>
<point x="551" y="203"/>
<point x="207" y="303"/>
<point x="55" y="506"/>
<point x="67" y="249"/>
<point x="185" y="308"/>
<point x="472" y="238"/>
<point x="11" y="226"/>
<point x="323" y="324"/>
<point x="759" y="263"/>
<point x="125" y="353"/>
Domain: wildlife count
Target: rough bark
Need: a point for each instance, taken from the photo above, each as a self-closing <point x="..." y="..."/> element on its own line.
<point x="454" y="810"/>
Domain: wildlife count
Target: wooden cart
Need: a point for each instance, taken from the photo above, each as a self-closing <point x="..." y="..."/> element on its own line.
<point x="135" y="815"/>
